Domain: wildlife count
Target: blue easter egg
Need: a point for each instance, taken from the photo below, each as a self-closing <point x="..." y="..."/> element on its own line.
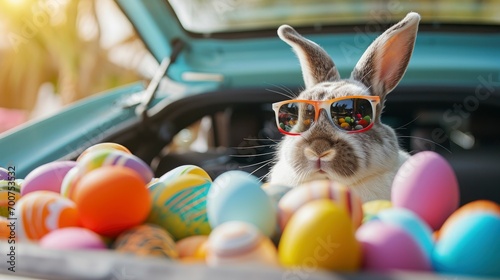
<point x="238" y="196"/>
<point x="470" y="246"/>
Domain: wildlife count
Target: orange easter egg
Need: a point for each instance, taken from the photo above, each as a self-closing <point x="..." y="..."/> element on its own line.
<point x="485" y="206"/>
<point x="107" y="145"/>
<point x="41" y="212"/>
<point x="111" y="199"/>
<point x="4" y="228"/>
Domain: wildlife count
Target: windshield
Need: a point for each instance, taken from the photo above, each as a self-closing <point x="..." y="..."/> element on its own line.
<point x="211" y="16"/>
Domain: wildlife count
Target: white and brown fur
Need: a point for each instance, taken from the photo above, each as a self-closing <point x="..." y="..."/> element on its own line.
<point x="368" y="161"/>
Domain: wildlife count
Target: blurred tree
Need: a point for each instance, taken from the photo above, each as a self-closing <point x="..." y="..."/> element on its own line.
<point x="57" y="41"/>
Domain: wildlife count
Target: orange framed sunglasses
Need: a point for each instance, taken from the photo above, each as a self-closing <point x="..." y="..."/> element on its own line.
<point x="351" y="114"/>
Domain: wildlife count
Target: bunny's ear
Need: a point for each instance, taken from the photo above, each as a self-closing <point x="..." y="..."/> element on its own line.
<point x="316" y="64"/>
<point x="385" y="61"/>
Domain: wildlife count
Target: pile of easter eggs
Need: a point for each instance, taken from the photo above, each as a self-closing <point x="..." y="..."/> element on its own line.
<point x="108" y="199"/>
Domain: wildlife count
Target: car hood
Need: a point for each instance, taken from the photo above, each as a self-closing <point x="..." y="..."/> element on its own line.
<point x="444" y="55"/>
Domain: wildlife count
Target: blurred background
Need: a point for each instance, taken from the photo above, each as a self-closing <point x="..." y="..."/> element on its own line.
<point x="55" y="52"/>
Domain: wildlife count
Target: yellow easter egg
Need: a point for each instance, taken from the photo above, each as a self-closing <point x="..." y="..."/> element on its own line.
<point x="372" y="208"/>
<point x="320" y="234"/>
<point x="192" y="248"/>
<point x="179" y="206"/>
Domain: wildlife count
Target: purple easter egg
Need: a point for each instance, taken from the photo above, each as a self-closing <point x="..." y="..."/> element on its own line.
<point x="99" y="158"/>
<point x="4" y="174"/>
<point x="47" y="177"/>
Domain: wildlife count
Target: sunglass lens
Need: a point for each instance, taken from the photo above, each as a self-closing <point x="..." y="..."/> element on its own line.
<point x="296" y="117"/>
<point x="352" y="114"/>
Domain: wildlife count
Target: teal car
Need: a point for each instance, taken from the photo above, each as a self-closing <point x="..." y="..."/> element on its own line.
<point x="222" y="65"/>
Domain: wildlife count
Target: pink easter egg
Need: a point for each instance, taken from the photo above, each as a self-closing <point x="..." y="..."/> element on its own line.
<point x="73" y="238"/>
<point x="387" y="247"/>
<point x="427" y="185"/>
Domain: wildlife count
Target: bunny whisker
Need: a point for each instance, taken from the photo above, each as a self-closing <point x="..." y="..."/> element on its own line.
<point x="276" y="141"/>
<point x="256" y="146"/>
<point x="286" y="90"/>
<point x="287" y="95"/>
<point x="257" y="169"/>
<point x="426" y="140"/>
<point x="408" y="123"/>
<point x="263" y="177"/>
<point x="264" y="162"/>
<point x="254" y="155"/>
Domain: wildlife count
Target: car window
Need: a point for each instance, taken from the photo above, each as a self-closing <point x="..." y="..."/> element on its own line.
<point x="209" y="16"/>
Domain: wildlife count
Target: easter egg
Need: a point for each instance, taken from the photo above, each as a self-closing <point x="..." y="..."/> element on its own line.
<point x="345" y="125"/>
<point x="106" y="157"/>
<point x="320" y="189"/>
<point x="373" y="207"/>
<point x="146" y="240"/>
<point x="320" y="234"/>
<point x="358" y="116"/>
<point x="104" y="146"/>
<point x="72" y="238"/>
<point x="6" y="231"/>
<point x="367" y="119"/>
<point x="341" y="120"/>
<point x="470" y="246"/>
<point x="4" y="174"/>
<point x="112" y="199"/>
<point x="348" y="120"/>
<point x="409" y="221"/>
<point x="10" y="192"/>
<point x="192" y="248"/>
<point x="153" y="182"/>
<point x="47" y="177"/>
<point x="182" y="170"/>
<point x="180" y="205"/>
<point x="276" y="192"/>
<point x="240" y="243"/>
<point x="41" y="212"/>
<point x="481" y="206"/>
<point x="358" y="127"/>
<point x="426" y="184"/>
<point x="68" y="183"/>
<point x="389" y="247"/>
<point x="238" y="196"/>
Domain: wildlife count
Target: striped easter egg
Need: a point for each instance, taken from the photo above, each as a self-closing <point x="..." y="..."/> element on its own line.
<point x="146" y="240"/>
<point x="320" y="189"/>
<point x="184" y="169"/>
<point x="10" y="192"/>
<point x="41" y="212"/>
<point x="240" y="243"/>
<point x="180" y="206"/>
<point x="68" y="183"/>
<point x="108" y="157"/>
<point x="104" y="146"/>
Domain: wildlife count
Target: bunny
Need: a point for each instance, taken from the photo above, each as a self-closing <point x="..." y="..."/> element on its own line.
<point x="366" y="162"/>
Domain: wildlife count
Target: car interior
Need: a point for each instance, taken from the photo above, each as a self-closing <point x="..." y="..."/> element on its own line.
<point x="235" y="130"/>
